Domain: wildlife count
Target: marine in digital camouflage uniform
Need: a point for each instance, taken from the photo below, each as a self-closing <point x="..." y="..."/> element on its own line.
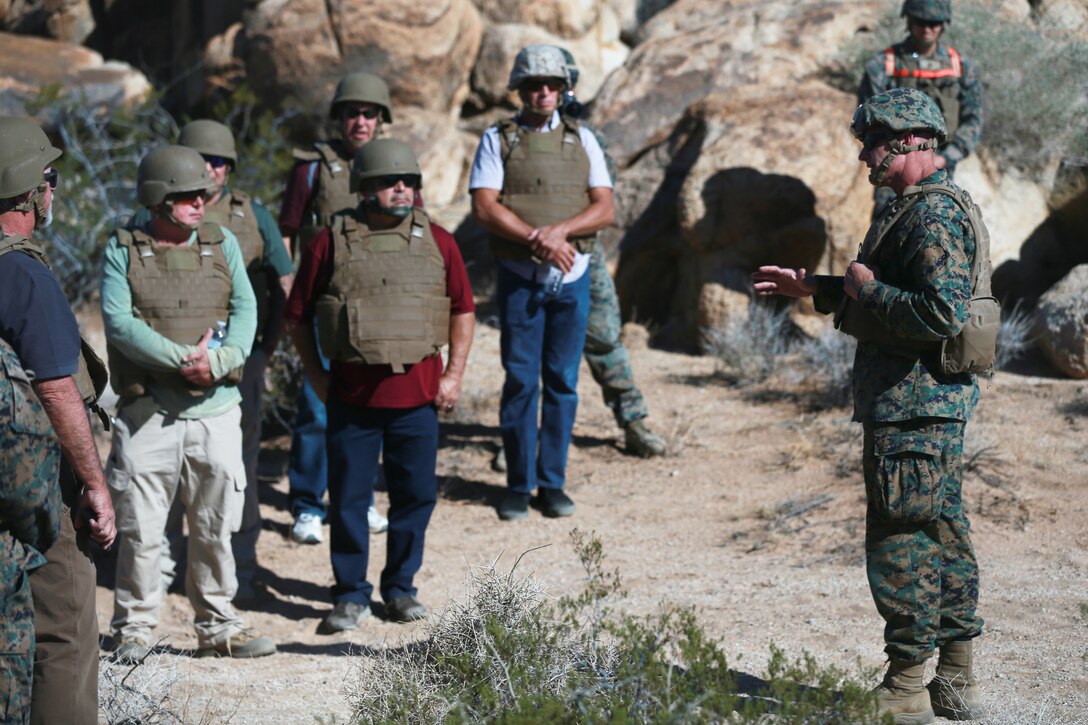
<point x="909" y="291"/>
<point x="922" y="61"/>
<point x="30" y="511"/>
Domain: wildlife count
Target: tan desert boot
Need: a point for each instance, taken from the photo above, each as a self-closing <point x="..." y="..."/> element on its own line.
<point x="954" y="691"/>
<point x="903" y="695"/>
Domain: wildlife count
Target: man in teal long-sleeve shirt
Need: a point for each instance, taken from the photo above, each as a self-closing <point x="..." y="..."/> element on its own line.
<point x="180" y="318"/>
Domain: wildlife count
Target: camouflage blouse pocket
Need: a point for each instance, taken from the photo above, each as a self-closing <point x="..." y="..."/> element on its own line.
<point x="908" y="476"/>
<point x="27" y="414"/>
<point x="16" y="607"/>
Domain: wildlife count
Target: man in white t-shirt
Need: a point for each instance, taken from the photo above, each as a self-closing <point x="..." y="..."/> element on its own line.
<point x="540" y="186"/>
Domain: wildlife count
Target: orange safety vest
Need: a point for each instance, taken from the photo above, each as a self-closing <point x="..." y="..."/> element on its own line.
<point x="892" y="72"/>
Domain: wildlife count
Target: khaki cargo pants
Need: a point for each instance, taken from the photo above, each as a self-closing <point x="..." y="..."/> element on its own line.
<point x="154" y="458"/>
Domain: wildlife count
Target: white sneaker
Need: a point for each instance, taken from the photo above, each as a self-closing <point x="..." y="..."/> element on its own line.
<point x="376" y="521"/>
<point x="307" y="529"/>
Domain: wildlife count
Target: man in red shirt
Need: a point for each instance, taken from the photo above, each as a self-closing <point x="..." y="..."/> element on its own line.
<point x="388" y="290"/>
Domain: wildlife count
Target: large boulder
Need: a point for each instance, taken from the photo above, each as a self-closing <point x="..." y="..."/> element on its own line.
<point x="296" y="50"/>
<point x="696" y="48"/>
<point x="757" y="177"/>
<point x="444" y="152"/>
<point x="1064" y="14"/>
<point x="28" y="64"/>
<point x="562" y="18"/>
<point x="68" y="20"/>
<point x="1061" y="323"/>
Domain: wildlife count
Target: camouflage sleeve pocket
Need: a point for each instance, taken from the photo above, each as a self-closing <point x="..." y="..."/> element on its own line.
<point x="909" y="480"/>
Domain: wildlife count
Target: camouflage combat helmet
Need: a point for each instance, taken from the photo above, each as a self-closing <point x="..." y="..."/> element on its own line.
<point x="25" y="151"/>
<point x="539" y="61"/>
<point x="898" y="110"/>
<point x="893" y="112"/>
<point x="382" y="157"/>
<point x="170" y="170"/>
<point x="572" y="68"/>
<point x="363" y="88"/>
<point x="936" y="11"/>
<point x="210" y="138"/>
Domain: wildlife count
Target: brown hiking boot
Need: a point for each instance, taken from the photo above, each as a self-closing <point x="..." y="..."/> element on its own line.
<point x="641" y="441"/>
<point x="954" y="691"/>
<point x="902" y="694"/>
<point x="239" y="644"/>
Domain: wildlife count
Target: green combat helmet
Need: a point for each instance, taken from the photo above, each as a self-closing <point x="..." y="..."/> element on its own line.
<point x="25" y="151"/>
<point x="539" y="61"/>
<point x="170" y="170"/>
<point x="362" y="88"/>
<point x="384" y="157"/>
<point x="935" y="11"/>
<point x="893" y="112"/>
<point x="210" y="138"/>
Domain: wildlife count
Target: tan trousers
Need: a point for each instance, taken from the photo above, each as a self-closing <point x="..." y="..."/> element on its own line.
<point x="65" y="625"/>
<point x="156" y="457"/>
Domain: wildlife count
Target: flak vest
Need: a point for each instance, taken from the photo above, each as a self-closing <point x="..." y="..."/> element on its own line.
<point x="235" y="212"/>
<point x="386" y="302"/>
<point x="333" y="190"/>
<point x="91" y="376"/>
<point x="180" y="292"/>
<point x="973" y="350"/>
<point x="545" y="180"/>
<point x="932" y="77"/>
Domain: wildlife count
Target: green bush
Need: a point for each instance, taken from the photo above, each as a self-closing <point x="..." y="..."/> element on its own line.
<point x="509" y="655"/>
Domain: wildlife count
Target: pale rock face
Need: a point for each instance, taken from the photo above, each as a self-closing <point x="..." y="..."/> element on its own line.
<point x="755" y="177"/>
<point x="1065" y="14"/>
<point x="562" y="18"/>
<point x="695" y="48"/>
<point x="1061" y="323"/>
<point x="443" y="154"/>
<point x="298" y="49"/>
<point x="28" y="63"/>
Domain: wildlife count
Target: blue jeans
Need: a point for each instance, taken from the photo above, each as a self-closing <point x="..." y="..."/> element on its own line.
<point x="407" y="441"/>
<point x="307" y="467"/>
<point x="541" y="340"/>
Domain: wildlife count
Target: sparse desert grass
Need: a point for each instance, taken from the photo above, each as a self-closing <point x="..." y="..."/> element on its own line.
<point x="157" y="691"/>
<point x="748" y="351"/>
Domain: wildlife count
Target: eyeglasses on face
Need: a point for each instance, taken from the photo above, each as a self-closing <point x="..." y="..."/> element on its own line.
<point x="926" y="23"/>
<point x="188" y="197"/>
<point x="874" y="140"/>
<point x="367" y="112"/>
<point x="217" y="162"/>
<point x="411" y="181"/>
<point x="532" y="85"/>
<point x="50" y="177"/>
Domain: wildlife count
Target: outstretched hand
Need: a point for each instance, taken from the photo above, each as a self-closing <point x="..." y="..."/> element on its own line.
<point x="771" y="280"/>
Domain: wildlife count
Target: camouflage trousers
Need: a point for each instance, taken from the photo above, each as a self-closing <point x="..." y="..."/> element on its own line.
<point x="16" y="633"/>
<point x="918" y="555"/>
<point x="604" y="352"/>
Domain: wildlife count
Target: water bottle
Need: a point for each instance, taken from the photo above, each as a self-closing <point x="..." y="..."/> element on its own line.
<point x="218" y="336"/>
<point x="553" y="283"/>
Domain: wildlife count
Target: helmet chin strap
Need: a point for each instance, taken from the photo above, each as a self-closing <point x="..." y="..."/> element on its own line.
<point x="165" y="211"/>
<point x="370" y="203"/>
<point x="35" y="202"/>
<point x="895" y="148"/>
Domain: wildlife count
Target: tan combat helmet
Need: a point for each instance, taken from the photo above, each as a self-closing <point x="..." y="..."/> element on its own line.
<point x="362" y="88"/>
<point x="25" y="151"/>
<point x="384" y="157"/>
<point x="539" y="61"/>
<point x="170" y="170"/>
<point x="210" y="138"/>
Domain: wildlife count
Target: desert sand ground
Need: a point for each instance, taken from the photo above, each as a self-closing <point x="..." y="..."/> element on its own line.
<point x="714" y="525"/>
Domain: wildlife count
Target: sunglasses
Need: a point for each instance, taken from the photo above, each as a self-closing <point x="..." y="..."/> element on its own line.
<point x="217" y="162"/>
<point x="873" y="140"/>
<point x="367" y="112"/>
<point x="50" y="177"/>
<point x="926" y="23"/>
<point x="533" y="85"/>
<point x="410" y="181"/>
<point x="188" y="197"/>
